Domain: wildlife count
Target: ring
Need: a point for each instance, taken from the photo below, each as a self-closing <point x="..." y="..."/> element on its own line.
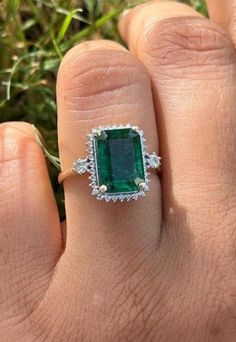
<point x="118" y="163"/>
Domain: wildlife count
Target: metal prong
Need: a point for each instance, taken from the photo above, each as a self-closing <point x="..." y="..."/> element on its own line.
<point x="142" y="186"/>
<point x="102" y="189"/>
<point x="96" y="132"/>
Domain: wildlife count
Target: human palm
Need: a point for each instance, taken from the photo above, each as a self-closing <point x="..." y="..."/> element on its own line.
<point x="162" y="268"/>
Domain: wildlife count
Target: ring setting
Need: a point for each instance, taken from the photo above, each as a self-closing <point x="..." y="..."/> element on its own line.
<point x="118" y="163"/>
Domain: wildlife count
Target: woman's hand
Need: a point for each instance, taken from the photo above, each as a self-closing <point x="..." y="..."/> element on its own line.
<point x="161" y="269"/>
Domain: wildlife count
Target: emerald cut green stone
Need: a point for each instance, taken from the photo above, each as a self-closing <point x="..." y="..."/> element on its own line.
<point x="119" y="160"/>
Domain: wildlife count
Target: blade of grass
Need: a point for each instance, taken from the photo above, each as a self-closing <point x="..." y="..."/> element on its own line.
<point x="12" y="7"/>
<point x="66" y="24"/>
<point x="40" y="141"/>
<point x="56" y="46"/>
<point x="17" y="63"/>
<point x="90" y="29"/>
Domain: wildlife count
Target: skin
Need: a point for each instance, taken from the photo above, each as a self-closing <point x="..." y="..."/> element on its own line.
<point x="159" y="269"/>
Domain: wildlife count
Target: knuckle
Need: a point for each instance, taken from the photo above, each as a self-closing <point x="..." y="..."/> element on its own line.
<point x="188" y="41"/>
<point x="20" y="158"/>
<point x="98" y="74"/>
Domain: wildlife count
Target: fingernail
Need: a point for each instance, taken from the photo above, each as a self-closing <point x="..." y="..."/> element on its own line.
<point x="125" y="12"/>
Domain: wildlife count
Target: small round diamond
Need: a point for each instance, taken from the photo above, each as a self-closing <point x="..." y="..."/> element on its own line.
<point x="80" y="166"/>
<point x="103" y="189"/>
<point x="153" y="161"/>
<point x="142" y="186"/>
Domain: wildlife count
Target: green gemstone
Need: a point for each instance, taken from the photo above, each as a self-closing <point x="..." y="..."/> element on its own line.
<point x="119" y="160"/>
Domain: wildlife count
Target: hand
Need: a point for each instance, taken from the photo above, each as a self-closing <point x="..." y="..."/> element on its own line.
<point x="161" y="269"/>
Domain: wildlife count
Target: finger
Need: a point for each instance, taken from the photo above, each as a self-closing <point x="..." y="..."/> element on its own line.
<point x="100" y="83"/>
<point x="223" y="13"/>
<point x="192" y="66"/>
<point x="29" y="225"/>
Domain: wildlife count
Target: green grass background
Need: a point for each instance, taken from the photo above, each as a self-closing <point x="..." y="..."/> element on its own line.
<point x="34" y="36"/>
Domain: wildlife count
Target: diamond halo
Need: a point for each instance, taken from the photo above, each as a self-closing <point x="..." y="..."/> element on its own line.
<point x="81" y="166"/>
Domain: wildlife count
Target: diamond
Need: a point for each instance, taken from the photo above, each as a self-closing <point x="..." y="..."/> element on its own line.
<point x="153" y="161"/>
<point x="80" y="166"/>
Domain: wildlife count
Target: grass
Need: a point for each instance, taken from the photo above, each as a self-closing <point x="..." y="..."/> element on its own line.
<point x="34" y="36"/>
